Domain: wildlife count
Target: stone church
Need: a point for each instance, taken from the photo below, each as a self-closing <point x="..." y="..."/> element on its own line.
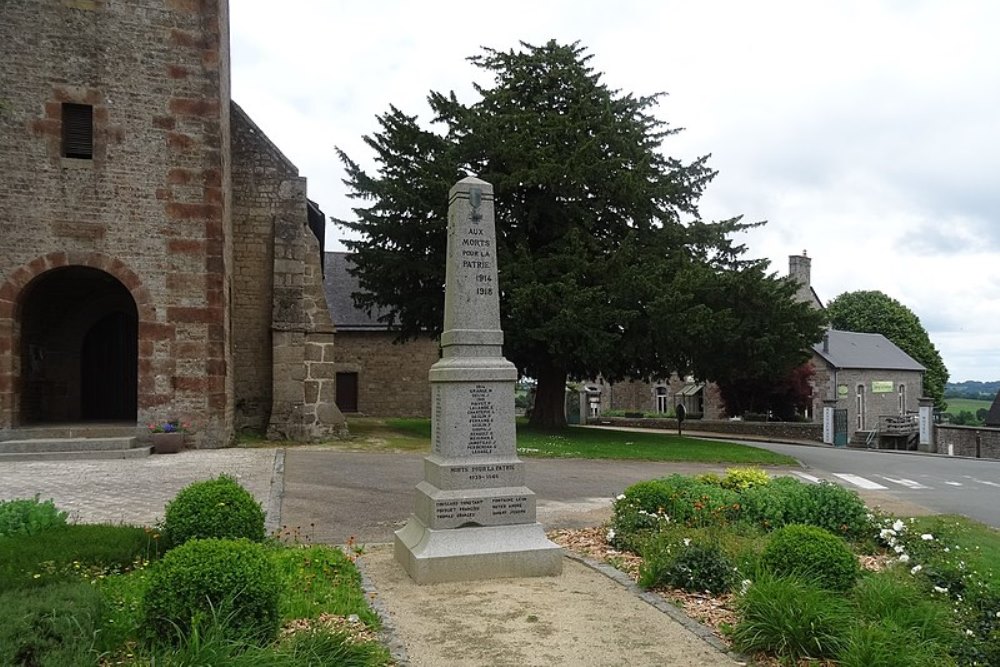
<point x="159" y="258"/>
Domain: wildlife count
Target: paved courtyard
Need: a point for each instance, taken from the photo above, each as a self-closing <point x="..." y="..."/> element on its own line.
<point x="133" y="490"/>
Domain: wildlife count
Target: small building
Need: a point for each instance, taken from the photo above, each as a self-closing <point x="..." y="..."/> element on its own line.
<point x="375" y="375"/>
<point x="868" y="376"/>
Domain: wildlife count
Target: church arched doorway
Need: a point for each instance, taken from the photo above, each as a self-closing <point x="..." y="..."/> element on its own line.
<point x="79" y="348"/>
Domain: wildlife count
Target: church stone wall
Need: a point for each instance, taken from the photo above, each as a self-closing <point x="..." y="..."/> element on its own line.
<point x="149" y="208"/>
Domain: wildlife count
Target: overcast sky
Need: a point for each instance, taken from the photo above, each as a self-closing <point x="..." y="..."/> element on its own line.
<point x="866" y="133"/>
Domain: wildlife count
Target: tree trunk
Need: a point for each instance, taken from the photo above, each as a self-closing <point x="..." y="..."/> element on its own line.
<point x="549" y="410"/>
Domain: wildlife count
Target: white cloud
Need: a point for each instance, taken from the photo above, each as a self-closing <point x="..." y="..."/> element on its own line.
<point x="865" y="132"/>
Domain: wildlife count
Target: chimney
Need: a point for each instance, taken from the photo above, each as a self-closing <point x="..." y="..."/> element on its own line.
<point x="800" y="268"/>
<point x="826" y="342"/>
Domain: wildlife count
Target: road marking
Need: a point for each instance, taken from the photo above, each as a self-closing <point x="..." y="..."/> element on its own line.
<point x="986" y="482"/>
<point x="808" y="478"/>
<point x="908" y="483"/>
<point x="859" y="482"/>
<point x="953" y="483"/>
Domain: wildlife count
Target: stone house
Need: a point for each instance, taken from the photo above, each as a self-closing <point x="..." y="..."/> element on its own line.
<point x="866" y="375"/>
<point x="159" y="257"/>
<point x="701" y="400"/>
<point x="376" y="377"/>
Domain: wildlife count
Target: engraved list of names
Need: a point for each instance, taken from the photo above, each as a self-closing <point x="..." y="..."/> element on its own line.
<point x="481" y="413"/>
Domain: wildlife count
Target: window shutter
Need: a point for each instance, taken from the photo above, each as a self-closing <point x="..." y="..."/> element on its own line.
<point x="78" y="131"/>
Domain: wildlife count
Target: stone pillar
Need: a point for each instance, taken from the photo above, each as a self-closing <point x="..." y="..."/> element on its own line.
<point x="925" y="417"/>
<point x="474" y="518"/>
<point x="829" y="405"/>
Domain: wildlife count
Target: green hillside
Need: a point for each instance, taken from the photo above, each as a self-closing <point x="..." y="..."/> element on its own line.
<point x="956" y="405"/>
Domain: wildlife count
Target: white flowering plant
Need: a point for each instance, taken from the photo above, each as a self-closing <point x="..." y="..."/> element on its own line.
<point x="946" y="566"/>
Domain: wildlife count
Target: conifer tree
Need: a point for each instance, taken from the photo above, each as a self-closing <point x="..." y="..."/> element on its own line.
<point x="605" y="266"/>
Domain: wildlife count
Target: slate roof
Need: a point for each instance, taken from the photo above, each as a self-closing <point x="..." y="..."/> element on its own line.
<point x="338" y="285"/>
<point x="847" y="349"/>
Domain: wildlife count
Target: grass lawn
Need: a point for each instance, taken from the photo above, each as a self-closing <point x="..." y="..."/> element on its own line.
<point x="585" y="443"/>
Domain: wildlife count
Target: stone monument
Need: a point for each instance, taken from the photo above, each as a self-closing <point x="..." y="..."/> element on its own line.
<point x="474" y="518"/>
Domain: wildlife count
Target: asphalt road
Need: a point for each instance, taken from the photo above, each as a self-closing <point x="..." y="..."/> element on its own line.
<point x="942" y="484"/>
<point x="330" y="495"/>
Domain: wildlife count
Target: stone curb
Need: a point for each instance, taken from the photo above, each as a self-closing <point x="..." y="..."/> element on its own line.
<point x="272" y="513"/>
<point x="659" y="604"/>
<point x="389" y="634"/>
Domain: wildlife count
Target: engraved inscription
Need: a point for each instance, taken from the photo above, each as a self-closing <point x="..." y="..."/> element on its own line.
<point x="475" y="255"/>
<point x="446" y="509"/>
<point x="481" y="414"/>
<point x="438" y="420"/>
<point x="509" y="506"/>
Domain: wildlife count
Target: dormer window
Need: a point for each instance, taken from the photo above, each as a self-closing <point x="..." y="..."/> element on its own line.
<point x="78" y="131"/>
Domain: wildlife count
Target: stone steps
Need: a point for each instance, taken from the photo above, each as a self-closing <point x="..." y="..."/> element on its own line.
<point x="67" y="449"/>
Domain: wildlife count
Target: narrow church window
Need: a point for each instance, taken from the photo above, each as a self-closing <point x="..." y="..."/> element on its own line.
<point x="78" y="131"/>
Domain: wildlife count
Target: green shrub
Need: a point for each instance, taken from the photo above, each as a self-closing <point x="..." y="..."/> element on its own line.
<point x="709" y="478"/>
<point x="227" y="582"/>
<point x="787" y="501"/>
<point x="697" y="567"/>
<point x="787" y="617"/>
<point x="839" y="510"/>
<point x="28" y="516"/>
<point x="648" y="505"/>
<point x="218" y="508"/>
<point x="812" y="552"/>
<point x="72" y="552"/>
<point x="741" y="479"/>
<point x="54" y="625"/>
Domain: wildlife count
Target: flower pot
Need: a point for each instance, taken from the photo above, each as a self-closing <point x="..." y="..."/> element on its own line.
<point x="168" y="443"/>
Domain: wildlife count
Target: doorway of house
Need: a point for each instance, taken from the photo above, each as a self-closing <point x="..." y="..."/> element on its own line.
<point x="79" y="348"/>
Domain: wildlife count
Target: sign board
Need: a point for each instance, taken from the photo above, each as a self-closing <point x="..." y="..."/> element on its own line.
<point x="842" y="390"/>
<point x="882" y="386"/>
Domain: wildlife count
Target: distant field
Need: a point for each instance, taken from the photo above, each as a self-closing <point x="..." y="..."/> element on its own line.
<point x="956" y="405"/>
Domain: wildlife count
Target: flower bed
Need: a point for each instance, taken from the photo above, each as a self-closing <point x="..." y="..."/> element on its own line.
<point x="928" y="591"/>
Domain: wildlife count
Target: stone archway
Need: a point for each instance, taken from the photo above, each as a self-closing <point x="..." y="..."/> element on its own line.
<point x="70" y="326"/>
<point x="78" y="348"/>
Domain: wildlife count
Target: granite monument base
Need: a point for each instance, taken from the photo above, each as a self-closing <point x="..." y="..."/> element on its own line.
<point x="477" y="552"/>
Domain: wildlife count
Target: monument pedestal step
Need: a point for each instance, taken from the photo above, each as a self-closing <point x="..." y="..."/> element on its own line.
<point x="489" y="552"/>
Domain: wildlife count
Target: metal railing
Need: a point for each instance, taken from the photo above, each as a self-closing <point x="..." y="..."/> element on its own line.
<point x="898" y="424"/>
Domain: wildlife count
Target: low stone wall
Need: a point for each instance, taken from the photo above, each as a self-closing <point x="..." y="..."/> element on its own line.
<point x="961" y="441"/>
<point x="756" y="430"/>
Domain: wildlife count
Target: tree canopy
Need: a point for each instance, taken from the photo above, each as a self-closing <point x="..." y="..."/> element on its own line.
<point x="605" y="266"/>
<point x="876" y="312"/>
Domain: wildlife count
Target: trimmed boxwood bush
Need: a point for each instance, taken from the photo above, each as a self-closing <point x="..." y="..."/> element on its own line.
<point x="814" y="553"/>
<point x="230" y="583"/>
<point x="219" y="508"/>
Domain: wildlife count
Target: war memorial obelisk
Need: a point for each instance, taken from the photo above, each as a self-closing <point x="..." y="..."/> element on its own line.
<point x="474" y="517"/>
